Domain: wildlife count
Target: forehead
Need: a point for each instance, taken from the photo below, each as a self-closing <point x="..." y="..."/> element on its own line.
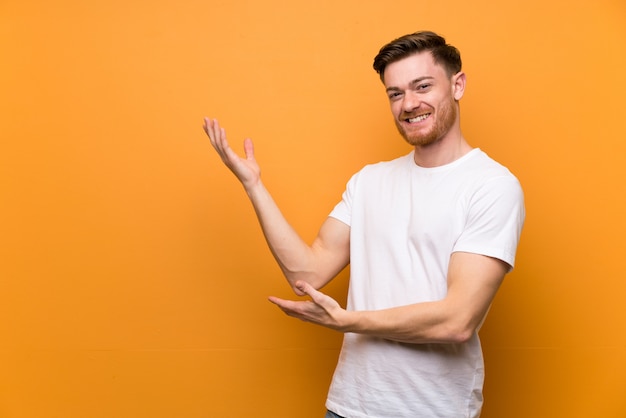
<point x="419" y="65"/>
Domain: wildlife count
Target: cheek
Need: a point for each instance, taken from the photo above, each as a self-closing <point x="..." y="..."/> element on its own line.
<point x="396" y="108"/>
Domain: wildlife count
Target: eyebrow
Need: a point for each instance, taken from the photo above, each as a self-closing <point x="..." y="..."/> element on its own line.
<point x="412" y="83"/>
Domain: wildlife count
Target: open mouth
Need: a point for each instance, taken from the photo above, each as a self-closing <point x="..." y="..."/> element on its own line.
<point x="418" y="118"/>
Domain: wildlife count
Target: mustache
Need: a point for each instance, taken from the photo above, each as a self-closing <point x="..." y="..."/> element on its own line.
<point x="412" y="115"/>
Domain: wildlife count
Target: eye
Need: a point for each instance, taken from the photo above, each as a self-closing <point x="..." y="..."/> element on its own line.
<point x="424" y="86"/>
<point x="394" y="95"/>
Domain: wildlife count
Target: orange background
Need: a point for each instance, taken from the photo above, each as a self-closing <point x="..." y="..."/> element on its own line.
<point x="133" y="275"/>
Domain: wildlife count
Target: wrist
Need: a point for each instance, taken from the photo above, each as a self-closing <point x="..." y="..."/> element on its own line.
<point x="253" y="189"/>
<point x="349" y="321"/>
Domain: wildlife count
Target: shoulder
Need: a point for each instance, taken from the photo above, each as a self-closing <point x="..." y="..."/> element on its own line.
<point x="482" y="164"/>
<point x="485" y="172"/>
<point x="386" y="167"/>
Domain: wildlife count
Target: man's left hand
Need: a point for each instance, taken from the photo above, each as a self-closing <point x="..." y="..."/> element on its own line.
<point x="321" y="309"/>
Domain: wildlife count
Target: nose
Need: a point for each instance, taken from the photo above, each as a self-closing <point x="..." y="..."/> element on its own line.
<point x="410" y="102"/>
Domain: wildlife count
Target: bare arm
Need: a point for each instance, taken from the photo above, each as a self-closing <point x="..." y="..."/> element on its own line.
<point x="315" y="264"/>
<point x="473" y="281"/>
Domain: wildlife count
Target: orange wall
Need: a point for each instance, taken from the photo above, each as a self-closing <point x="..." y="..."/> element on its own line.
<point x="133" y="275"/>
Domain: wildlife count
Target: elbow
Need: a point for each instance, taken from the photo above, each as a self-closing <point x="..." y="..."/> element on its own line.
<point x="295" y="289"/>
<point x="459" y="333"/>
<point x="461" y="336"/>
<point x="312" y="277"/>
<point x="459" y="326"/>
<point x="295" y="278"/>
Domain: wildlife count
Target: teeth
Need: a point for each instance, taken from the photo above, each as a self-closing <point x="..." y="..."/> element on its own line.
<point x="418" y="118"/>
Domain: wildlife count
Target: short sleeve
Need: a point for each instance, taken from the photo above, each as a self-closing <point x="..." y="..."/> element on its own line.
<point x="495" y="217"/>
<point x="343" y="209"/>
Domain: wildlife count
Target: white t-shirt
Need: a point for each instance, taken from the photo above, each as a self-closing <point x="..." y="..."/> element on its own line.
<point x="405" y="222"/>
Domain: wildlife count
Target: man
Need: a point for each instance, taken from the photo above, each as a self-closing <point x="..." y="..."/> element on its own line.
<point x="429" y="237"/>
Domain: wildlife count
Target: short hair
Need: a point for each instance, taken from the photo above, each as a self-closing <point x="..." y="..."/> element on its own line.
<point x="443" y="54"/>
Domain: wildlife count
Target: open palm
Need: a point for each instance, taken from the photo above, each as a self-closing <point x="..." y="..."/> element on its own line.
<point x="246" y="169"/>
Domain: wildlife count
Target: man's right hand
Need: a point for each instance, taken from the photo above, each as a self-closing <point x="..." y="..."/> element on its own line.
<point x="246" y="169"/>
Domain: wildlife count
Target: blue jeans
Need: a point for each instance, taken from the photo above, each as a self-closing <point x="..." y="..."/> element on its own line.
<point x="331" y="414"/>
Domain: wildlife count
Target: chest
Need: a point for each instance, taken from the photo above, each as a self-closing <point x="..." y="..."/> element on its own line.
<point x="414" y="210"/>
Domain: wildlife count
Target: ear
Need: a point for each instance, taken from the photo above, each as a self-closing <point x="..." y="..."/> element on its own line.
<point x="458" y="85"/>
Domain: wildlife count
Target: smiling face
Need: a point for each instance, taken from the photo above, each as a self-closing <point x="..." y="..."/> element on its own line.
<point x="423" y="99"/>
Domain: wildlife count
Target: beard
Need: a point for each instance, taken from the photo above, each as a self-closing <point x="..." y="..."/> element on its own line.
<point x="441" y="126"/>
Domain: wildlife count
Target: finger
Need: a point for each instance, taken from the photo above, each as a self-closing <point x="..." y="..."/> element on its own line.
<point x="274" y="300"/>
<point x="215" y="131"/>
<point x="217" y="136"/>
<point x="289" y="306"/>
<point x="208" y="125"/>
<point x="209" y="128"/>
<point x="320" y="299"/>
<point x="281" y="303"/>
<point x="220" y="136"/>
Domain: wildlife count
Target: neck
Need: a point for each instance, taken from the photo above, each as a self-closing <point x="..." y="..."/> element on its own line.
<point x="448" y="149"/>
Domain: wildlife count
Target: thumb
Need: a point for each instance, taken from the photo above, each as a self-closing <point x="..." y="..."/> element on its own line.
<point x="248" y="148"/>
<point x="310" y="291"/>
